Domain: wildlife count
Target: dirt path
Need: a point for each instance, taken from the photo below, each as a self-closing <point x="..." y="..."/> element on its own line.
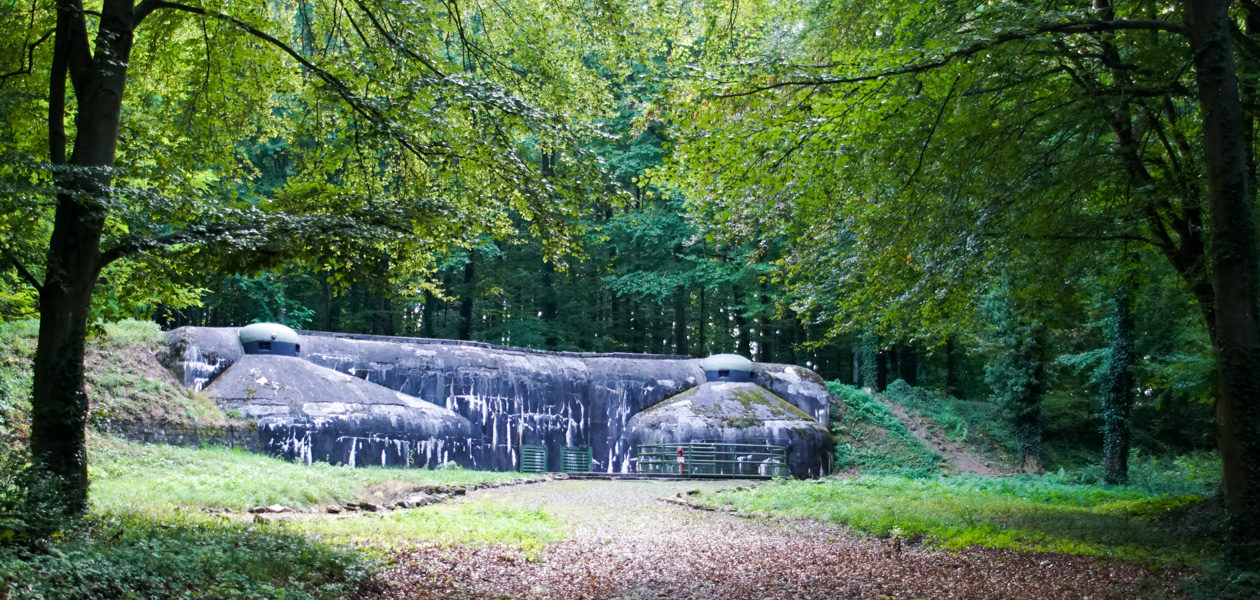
<point x="957" y="455"/>
<point x="627" y="543"/>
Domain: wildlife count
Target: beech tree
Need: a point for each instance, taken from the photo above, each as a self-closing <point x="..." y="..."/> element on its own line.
<point x="408" y="129"/>
<point x="924" y="142"/>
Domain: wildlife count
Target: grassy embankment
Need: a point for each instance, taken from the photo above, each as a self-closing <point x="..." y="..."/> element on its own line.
<point x="902" y="492"/>
<point x="149" y="533"/>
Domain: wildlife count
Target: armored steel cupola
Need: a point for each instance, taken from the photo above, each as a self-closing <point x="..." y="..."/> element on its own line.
<point x="727" y="367"/>
<point x="270" y="338"/>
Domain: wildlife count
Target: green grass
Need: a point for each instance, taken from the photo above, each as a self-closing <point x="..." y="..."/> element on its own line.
<point x="870" y="439"/>
<point x="463" y="523"/>
<point x="1028" y="513"/>
<point x="131" y="477"/>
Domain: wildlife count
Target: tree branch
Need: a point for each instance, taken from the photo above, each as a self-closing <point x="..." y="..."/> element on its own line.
<point x="367" y="111"/>
<point x="30" y="57"/>
<point x="395" y="42"/>
<point x="25" y="274"/>
<point x="1069" y="27"/>
<point x="931" y="134"/>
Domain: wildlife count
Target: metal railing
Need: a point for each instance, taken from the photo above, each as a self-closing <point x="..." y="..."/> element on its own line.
<point x="709" y="458"/>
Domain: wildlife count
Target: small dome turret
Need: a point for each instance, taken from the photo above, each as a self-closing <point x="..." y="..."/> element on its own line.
<point x="727" y="367"/>
<point x="270" y="338"/>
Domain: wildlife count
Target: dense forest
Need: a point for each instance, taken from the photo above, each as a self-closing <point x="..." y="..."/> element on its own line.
<point x="1048" y="207"/>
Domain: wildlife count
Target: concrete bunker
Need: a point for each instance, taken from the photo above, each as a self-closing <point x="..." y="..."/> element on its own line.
<point x="307" y="412"/>
<point x="414" y="402"/>
<point x="730" y="425"/>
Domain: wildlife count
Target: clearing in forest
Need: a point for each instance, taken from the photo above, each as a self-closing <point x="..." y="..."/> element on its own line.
<point x="633" y="539"/>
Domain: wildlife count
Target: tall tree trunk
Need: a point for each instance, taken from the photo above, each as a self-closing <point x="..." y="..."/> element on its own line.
<point x="1017" y="373"/>
<point x="743" y="340"/>
<point x="428" y="314"/>
<point x="636" y="327"/>
<point x="765" y="327"/>
<point x="551" y="337"/>
<point x="1117" y="400"/>
<point x="680" y="321"/>
<point x="60" y="404"/>
<point x="908" y="365"/>
<point x="702" y="342"/>
<point x="881" y="370"/>
<point x="953" y="368"/>
<point x="869" y="362"/>
<point x="467" y="294"/>
<point x="1236" y="344"/>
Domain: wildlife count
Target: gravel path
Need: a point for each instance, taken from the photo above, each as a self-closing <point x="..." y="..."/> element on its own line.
<point x="627" y="543"/>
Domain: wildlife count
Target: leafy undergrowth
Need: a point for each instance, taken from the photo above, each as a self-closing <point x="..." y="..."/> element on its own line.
<point x="144" y="559"/>
<point x="131" y="477"/>
<point x="870" y="439"/>
<point x="1195" y="473"/>
<point x="978" y="424"/>
<point x="1026" y="513"/>
<point x="470" y="523"/>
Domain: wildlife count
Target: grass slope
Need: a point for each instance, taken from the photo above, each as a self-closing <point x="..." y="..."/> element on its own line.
<point x="126" y="381"/>
<point x="869" y="439"/>
<point x="1030" y="513"/>
<point x="979" y="424"/>
<point x="133" y="477"/>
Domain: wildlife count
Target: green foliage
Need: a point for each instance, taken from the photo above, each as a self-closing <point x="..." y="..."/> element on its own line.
<point x="29" y="509"/>
<point x="131" y="477"/>
<point x="17" y="346"/>
<point x="112" y="557"/>
<point x="977" y="424"/>
<point x="1195" y="474"/>
<point x="870" y="439"/>
<point x="1029" y="513"/>
<point x="1017" y="374"/>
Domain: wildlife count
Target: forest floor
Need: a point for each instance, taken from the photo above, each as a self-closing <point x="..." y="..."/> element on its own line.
<point x="638" y="540"/>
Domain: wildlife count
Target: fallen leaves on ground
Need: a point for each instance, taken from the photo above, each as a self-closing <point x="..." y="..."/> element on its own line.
<point x="716" y="555"/>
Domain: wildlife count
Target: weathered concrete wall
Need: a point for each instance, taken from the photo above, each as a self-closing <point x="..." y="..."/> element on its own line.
<point x="508" y="395"/>
<point x="244" y="437"/>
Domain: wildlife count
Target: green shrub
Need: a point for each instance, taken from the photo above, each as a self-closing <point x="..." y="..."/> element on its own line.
<point x="134" y="558"/>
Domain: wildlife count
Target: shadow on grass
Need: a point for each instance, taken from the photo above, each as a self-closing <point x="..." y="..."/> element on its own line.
<point x="132" y="557"/>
